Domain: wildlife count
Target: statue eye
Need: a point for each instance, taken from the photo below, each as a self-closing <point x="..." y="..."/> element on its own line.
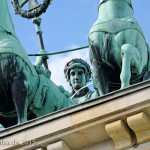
<point x="72" y="73"/>
<point x="80" y="73"/>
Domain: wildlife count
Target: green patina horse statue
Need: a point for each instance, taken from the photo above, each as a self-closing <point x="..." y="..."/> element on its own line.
<point x="25" y="91"/>
<point x="118" y="49"/>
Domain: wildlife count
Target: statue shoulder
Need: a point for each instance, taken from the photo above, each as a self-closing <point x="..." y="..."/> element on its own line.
<point x="94" y="95"/>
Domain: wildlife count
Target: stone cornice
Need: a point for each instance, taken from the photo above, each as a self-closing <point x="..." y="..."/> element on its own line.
<point x="87" y="123"/>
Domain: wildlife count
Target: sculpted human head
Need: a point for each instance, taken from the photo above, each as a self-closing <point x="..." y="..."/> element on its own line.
<point x="78" y="73"/>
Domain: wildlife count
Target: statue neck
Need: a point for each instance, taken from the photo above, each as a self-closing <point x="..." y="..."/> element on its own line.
<point x="110" y="9"/>
<point x="81" y="93"/>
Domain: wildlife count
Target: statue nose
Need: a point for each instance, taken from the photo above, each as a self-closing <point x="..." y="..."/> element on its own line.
<point x="76" y="76"/>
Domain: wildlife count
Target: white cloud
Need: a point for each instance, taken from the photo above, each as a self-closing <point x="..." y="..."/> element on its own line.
<point x="57" y="63"/>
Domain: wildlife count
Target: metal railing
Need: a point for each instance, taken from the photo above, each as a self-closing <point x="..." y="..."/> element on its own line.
<point x="60" y="52"/>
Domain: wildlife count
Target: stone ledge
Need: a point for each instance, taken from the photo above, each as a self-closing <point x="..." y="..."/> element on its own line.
<point x="77" y="108"/>
<point x="82" y="125"/>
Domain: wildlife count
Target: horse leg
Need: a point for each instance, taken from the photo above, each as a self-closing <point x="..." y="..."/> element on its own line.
<point x="20" y="99"/>
<point x="130" y="57"/>
<point x="99" y="72"/>
<point x="100" y="78"/>
<point x="6" y="106"/>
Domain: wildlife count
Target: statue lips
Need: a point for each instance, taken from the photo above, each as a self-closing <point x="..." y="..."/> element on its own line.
<point x="77" y="81"/>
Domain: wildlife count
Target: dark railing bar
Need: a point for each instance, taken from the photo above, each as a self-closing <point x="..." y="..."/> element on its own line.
<point x="60" y="52"/>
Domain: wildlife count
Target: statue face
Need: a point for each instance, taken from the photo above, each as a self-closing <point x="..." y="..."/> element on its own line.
<point x="77" y="78"/>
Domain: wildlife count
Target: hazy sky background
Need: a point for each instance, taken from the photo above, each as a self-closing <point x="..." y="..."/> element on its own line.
<point x="66" y="25"/>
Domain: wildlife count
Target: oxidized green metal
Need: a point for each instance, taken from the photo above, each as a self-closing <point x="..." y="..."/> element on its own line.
<point x="118" y="49"/>
<point x="78" y="74"/>
<point x="60" y="52"/>
<point x="37" y="22"/>
<point x="27" y="91"/>
<point x="34" y="9"/>
<point x="23" y="87"/>
<point x="33" y="4"/>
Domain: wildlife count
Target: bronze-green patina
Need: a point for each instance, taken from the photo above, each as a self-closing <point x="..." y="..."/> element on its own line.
<point x="78" y="74"/>
<point x="34" y="9"/>
<point x="37" y="22"/>
<point x="118" y="49"/>
<point x="27" y="91"/>
<point x="24" y="88"/>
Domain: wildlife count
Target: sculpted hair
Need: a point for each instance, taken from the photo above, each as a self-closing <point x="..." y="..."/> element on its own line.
<point x="77" y="63"/>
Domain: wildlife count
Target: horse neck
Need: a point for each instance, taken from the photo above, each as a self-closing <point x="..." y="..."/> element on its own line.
<point x="110" y="9"/>
<point x="5" y="17"/>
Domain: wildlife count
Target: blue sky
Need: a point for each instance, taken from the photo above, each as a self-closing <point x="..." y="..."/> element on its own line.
<point x="66" y="25"/>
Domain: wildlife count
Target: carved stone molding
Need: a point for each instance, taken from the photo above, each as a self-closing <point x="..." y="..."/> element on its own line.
<point x="140" y="124"/>
<point x="120" y="134"/>
<point x="82" y="127"/>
